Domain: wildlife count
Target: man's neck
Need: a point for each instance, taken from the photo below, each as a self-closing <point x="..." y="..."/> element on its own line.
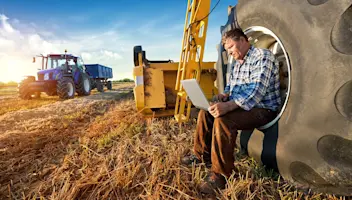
<point x="241" y="60"/>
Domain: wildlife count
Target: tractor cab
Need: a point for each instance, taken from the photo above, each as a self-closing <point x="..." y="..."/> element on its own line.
<point x="60" y="61"/>
<point x="56" y="65"/>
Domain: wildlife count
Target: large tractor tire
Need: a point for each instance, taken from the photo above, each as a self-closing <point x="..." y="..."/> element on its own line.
<point x="52" y="93"/>
<point x="83" y="87"/>
<point x="66" y="88"/>
<point x="313" y="40"/>
<point x="24" y="90"/>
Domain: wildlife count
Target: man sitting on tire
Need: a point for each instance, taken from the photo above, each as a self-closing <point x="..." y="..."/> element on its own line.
<point x="251" y="99"/>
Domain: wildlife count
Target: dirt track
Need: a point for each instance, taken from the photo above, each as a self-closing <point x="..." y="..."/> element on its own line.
<point x="33" y="141"/>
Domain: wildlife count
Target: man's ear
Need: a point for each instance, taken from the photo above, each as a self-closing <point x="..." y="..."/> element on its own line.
<point x="242" y="39"/>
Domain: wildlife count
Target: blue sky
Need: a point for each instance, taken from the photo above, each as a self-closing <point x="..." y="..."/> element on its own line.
<point x="100" y="31"/>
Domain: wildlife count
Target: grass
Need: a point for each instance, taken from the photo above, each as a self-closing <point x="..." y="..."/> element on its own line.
<point x="14" y="104"/>
<point x="31" y="154"/>
<point x="108" y="151"/>
<point x="5" y="91"/>
<point x="117" y="86"/>
<point x="10" y="101"/>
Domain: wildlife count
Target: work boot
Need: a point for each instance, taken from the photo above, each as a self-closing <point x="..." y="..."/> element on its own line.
<point x="212" y="183"/>
<point x="190" y="159"/>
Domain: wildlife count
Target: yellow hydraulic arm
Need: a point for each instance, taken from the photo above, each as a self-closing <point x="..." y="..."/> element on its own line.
<point x="193" y="42"/>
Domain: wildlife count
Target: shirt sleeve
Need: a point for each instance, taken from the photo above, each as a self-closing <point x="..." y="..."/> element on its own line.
<point x="231" y="64"/>
<point x="227" y="89"/>
<point x="252" y="93"/>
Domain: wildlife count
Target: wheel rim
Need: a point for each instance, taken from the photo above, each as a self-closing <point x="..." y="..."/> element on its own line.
<point x="86" y="85"/>
<point x="70" y="89"/>
<point x="263" y="37"/>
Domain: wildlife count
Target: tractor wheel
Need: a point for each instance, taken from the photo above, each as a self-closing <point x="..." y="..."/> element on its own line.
<point x="36" y="95"/>
<point x="83" y="87"/>
<point x="52" y="93"/>
<point x="66" y="88"/>
<point x="315" y="127"/>
<point x="109" y="85"/>
<point x="24" y="90"/>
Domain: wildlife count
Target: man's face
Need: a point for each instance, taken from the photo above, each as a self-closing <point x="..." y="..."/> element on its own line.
<point x="235" y="48"/>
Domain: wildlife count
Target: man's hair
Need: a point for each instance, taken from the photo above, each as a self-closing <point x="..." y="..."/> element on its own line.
<point x="235" y="34"/>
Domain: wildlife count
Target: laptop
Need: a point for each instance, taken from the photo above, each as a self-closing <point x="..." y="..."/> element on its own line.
<point x="195" y="94"/>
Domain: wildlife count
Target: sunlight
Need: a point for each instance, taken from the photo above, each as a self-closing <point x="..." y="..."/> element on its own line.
<point x="15" y="68"/>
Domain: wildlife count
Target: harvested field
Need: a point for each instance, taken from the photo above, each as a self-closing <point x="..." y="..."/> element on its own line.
<point x="99" y="147"/>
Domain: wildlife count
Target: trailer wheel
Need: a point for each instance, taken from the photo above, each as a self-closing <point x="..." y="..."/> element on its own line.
<point x="109" y="85"/>
<point x="100" y="86"/>
<point x="320" y="65"/>
<point x="83" y="87"/>
<point x="66" y="88"/>
<point x="23" y="88"/>
<point x="93" y="83"/>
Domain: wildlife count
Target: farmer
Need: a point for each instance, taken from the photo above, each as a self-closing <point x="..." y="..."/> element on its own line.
<point x="251" y="99"/>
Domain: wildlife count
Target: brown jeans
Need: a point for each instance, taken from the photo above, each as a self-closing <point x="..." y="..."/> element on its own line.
<point x="215" y="139"/>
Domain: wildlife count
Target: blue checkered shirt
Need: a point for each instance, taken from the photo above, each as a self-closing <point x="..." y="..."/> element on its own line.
<point x="255" y="83"/>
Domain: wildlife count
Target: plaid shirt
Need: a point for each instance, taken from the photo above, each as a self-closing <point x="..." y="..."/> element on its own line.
<point x="255" y="83"/>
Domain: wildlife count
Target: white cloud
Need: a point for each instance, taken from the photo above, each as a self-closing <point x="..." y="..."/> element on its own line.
<point x="6" y="44"/>
<point x="16" y="50"/>
<point x="86" y="56"/>
<point x="104" y="57"/>
<point x="111" y="54"/>
<point x="20" y="41"/>
<point x="6" y="26"/>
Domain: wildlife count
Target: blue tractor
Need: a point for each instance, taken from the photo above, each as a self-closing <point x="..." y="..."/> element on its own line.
<point x="61" y="74"/>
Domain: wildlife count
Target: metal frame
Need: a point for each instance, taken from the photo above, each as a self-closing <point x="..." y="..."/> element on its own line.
<point x="193" y="43"/>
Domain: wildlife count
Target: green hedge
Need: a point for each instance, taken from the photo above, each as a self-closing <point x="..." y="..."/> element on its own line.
<point x="123" y="80"/>
<point x="11" y="83"/>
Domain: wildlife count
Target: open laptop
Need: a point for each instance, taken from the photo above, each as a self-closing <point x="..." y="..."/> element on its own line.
<point x="195" y="93"/>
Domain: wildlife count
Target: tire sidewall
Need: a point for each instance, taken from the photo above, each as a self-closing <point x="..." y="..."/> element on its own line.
<point x="81" y="85"/>
<point x="86" y="85"/>
<point x="63" y="88"/>
<point x="70" y="85"/>
<point x="109" y="85"/>
<point x="85" y="80"/>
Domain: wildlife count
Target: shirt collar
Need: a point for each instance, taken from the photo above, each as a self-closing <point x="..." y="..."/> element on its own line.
<point x="249" y="52"/>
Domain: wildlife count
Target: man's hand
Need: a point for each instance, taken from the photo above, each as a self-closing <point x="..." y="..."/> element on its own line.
<point x="221" y="108"/>
<point x="218" y="109"/>
<point x="220" y="98"/>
